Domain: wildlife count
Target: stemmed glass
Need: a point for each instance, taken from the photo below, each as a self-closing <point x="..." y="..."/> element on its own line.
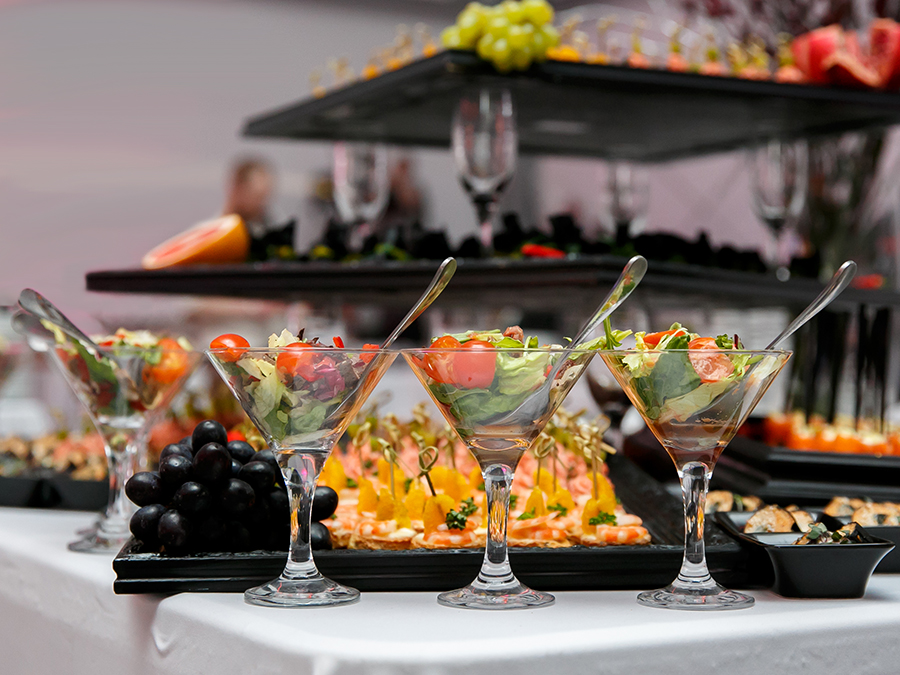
<point x="361" y="188"/>
<point x="628" y="195"/>
<point x="125" y="390"/>
<point x="485" y="146"/>
<point x="488" y="415"/>
<point x="301" y="400"/>
<point x="694" y="426"/>
<point x="779" y="181"/>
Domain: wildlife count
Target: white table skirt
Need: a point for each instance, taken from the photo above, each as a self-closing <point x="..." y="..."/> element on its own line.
<point x="59" y="616"/>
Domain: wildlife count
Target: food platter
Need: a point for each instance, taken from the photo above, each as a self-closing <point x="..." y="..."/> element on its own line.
<point x="575" y="568"/>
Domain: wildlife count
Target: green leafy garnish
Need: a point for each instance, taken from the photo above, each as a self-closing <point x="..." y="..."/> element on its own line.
<point x="526" y="516"/>
<point x="603" y="518"/>
<point x="512" y="500"/>
<point x="816" y="531"/>
<point x="562" y="510"/>
<point x="468" y="507"/>
<point x="456" y="520"/>
<point x="406" y="484"/>
<point x="724" y="342"/>
<point x="533" y="342"/>
<point x="352" y="483"/>
<point x="679" y="342"/>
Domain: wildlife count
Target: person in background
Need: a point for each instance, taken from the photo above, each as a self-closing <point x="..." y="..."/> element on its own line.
<point x="249" y="192"/>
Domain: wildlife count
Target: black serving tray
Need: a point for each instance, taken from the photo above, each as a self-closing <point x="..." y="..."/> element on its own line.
<point x="781" y="475"/>
<point x="823" y="571"/>
<point x="576" y="568"/>
<point x="53" y="491"/>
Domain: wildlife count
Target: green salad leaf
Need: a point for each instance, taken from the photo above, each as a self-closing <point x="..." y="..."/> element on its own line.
<point x="670" y="377"/>
<point x="520" y="372"/>
<point x="477" y="405"/>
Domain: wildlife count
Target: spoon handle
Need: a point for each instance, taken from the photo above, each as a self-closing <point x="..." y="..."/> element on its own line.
<point x="36" y="304"/>
<point x="438" y="283"/>
<point x="838" y="283"/>
<point x="631" y="276"/>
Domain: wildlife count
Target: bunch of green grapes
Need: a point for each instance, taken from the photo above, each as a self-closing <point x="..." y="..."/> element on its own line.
<point x="511" y="35"/>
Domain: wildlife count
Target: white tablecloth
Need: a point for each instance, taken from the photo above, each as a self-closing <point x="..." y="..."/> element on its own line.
<point x="58" y="615"/>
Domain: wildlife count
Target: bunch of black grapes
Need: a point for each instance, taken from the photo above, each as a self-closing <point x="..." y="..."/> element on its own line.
<point x="211" y="495"/>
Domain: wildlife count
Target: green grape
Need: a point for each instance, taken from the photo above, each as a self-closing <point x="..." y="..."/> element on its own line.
<point x="450" y="38"/>
<point x="521" y="58"/>
<point x="513" y="11"/>
<point x="485" y="47"/>
<point x="474" y="7"/>
<point x="517" y="37"/>
<point x="469" y="26"/>
<point x="501" y="55"/>
<point x="539" y="46"/>
<point x="537" y="12"/>
<point x="550" y="33"/>
<point x="498" y="26"/>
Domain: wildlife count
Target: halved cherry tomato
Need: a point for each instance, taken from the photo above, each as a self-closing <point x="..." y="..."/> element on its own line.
<point x="439" y="366"/>
<point x="337" y="342"/>
<point x="653" y="339"/>
<point x="711" y="367"/>
<point x="235" y="344"/>
<point x="296" y="359"/>
<point x="172" y="363"/>
<point x="367" y="358"/>
<point x="475" y="364"/>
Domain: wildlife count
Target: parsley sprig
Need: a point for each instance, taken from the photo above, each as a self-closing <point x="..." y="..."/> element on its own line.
<point x="457" y="520"/>
<point x="528" y="515"/>
<point x="603" y="518"/>
<point x="558" y="507"/>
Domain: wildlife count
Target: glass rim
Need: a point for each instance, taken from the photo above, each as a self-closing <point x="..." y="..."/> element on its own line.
<point x="498" y="350"/>
<point x="313" y="349"/>
<point x="126" y="349"/>
<point x="754" y="352"/>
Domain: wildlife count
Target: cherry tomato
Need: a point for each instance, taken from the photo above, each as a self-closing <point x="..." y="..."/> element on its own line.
<point x="710" y="367"/>
<point x="475" y="364"/>
<point x="235" y="435"/>
<point x="439" y="366"/>
<point x="337" y="342"/>
<point x="235" y="344"/>
<point x="367" y="358"/>
<point x="172" y="363"/>
<point x="296" y="359"/>
<point x="653" y="339"/>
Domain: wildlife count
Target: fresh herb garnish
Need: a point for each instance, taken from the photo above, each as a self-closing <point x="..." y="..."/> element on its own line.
<point x="480" y="487"/>
<point x="512" y="499"/>
<point x="352" y="483"/>
<point x="603" y="518"/>
<point x="406" y="484"/>
<point x="816" y="531"/>
<point x="468" y="507"/>
<point x="558" y="507"/>
<point x="527" y="515"/>
<point x="533" y="342"/>
<point x="679" y="342"/>
<point x="724" y="342"/>
<point x="456" y="520"/>
<point x="739" y="502"/>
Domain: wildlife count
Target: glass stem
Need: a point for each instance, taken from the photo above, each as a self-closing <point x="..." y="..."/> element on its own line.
<point x="694" y="574"/>
<point x="300" y="469"/>
<point x="121" y="449"/>
<point x="495" y="570"/>
<point x="486" y="207"/>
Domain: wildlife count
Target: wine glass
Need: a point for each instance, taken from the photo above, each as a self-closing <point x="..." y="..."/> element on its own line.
<point x="361" y="188"/>
<point x="125" y="390"/>
<point x="778" y="171"/>
<point x="485" y="145"/>
<point x="485" y="413"/>
<point x="694" y="420"/>
<point x="628" y="197"/>
<point x="301" y="400"/>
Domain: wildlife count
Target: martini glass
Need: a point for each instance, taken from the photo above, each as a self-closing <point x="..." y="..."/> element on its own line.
<point x="488" y="416"/>
<point x="694" y="420"/>
<point x="301" y="400"/>
<point x="125" y="390"/>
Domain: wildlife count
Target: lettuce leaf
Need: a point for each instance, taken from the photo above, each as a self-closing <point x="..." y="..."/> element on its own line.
<point x="473" y="406"/>
<point x="522" y="373"/>
<point x="682" y="407"/>
<point x="672" y="376"/>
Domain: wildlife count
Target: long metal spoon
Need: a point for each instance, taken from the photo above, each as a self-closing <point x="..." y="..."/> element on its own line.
<point x="435" y="288"/>
<point x="838" y="283"/>
<point x="535" y="405"/>
<point x="36" y="304"/>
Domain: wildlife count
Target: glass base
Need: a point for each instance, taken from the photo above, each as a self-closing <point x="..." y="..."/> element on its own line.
<point x="95" y="542"/>
<point x="313" y="592"/>
<point x="508" y="596"/>
<point x="700" y="599"/>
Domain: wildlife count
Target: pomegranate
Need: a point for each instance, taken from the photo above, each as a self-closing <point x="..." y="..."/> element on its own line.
<point x="811" y="49"/>
<point x="884" y="41"/>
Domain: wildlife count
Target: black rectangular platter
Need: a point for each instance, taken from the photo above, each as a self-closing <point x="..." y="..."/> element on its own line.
<point x="53" y="491"/>
<point x="776" y="474"/>
<point x="576" y="568"/>
<point x="580" y="109"/>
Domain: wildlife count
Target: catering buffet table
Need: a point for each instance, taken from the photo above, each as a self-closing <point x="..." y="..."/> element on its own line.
<point x="58" y="614"/>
